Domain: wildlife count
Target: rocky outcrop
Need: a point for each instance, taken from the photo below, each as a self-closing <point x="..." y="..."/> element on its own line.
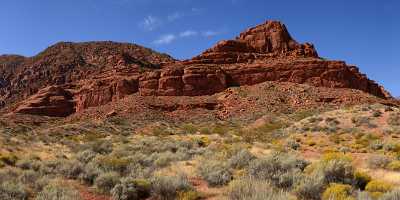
<point x="265" y="41"/>
<point x="93" y="74"/>
<point x="183" y="81"/>
<point x="50" y="101"/>
<point x="101" y="92"/>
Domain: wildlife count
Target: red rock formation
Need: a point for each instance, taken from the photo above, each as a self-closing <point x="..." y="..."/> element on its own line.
<point x="98" y="73"/>
<point x="50" y="101"/>
<point x="265" y="41"/>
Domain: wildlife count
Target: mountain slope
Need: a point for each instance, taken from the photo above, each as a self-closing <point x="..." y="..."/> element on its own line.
<point x="71" y="77"/>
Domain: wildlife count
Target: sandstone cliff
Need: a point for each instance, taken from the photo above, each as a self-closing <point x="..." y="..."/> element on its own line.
<point x="71" y="77"/>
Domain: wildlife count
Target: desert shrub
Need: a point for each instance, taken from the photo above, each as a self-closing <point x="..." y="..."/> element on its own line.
<point x="361" y="179"/>
<point x="282" y="170"/>
<point x="189" y="195"/>
<point x="337" y="192"/>
<point x="376" y="113"/>
<point x="71" y="169"/>
<point x="110" y="163"/>
<point x="310" y="188"/>
<point x="189" y="129"/>
<point x="394" y="195"/>
<point x="394" y="119"/>
<point x="107" y="181"/>
<point x="58" y="191"/>
<point x="251" y="189"/>
<point x="241" y="159"/>
<point x="378" y="161"/>
<point x="216" y="173"/>
<point x="164" y="159"/>
<point x="50" y="167"/>
<point x="338" y="171"/>
<point x="363" y="121"/>
<point x="167" y="188"/>
<point x="28" y="177"/>
<point x="89" y="173"/>
<point x="377" y="188"/>
<point x="8" y="174"/>
<point x="28" y="163"/>
<point x="99" y="146"/>
<point x="86" y="156"/>
<point x="8" y="159"/>
<point x="136" y="170"/>
<point x="40" y="183"/>
<point x="292" y="144"/>
<point x="376" y="145"/>
<point x="394" y="165"/>
<point x="394" y="147"/>
<point x="130" y="189"/>
<point x="361" y="195"/>
<point x="13" y="191"/>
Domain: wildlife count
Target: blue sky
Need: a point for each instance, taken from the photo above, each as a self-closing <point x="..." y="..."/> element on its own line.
<point x="361" y="32"/>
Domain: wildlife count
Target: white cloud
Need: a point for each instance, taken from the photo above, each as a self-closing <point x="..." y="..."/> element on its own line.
<point x="165" y="39"/>
<point x="188" y="33"/>
<point x="150" y="23"/>
<point x="210" y="33"/>
<point x="175" y="16"/>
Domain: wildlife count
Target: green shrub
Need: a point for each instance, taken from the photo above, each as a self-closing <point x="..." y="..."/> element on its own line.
<point x="216" y="173"/>
<point x="282" y="170"/>
<point x="107" y="181"/>
<point x="241" y="159"/>
<point x="58" y="191"/>
<point x="130" y="188"/>
<point x="167" y="188"/>
<point x="252" y="189"/>
<point x="337" y="192"/>
<point x="13" y="191"/>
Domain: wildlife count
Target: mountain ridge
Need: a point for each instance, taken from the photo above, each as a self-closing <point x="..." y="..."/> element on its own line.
<point x="72" y="77"/>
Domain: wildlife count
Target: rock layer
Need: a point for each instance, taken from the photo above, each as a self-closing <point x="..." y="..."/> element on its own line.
<point x="94" y="74"/>
<point x="50" y="101"/>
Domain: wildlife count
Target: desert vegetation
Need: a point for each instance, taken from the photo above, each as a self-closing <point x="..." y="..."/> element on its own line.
<point x="305" y="156"/>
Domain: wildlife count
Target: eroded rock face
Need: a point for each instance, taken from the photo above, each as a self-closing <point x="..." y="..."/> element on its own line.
<point x="101" y="92"/>
<point x="104" y="72"/>
<point x="183" y="81"/>
<point x="265" y="41"/>
<point x="50" y="101"/>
